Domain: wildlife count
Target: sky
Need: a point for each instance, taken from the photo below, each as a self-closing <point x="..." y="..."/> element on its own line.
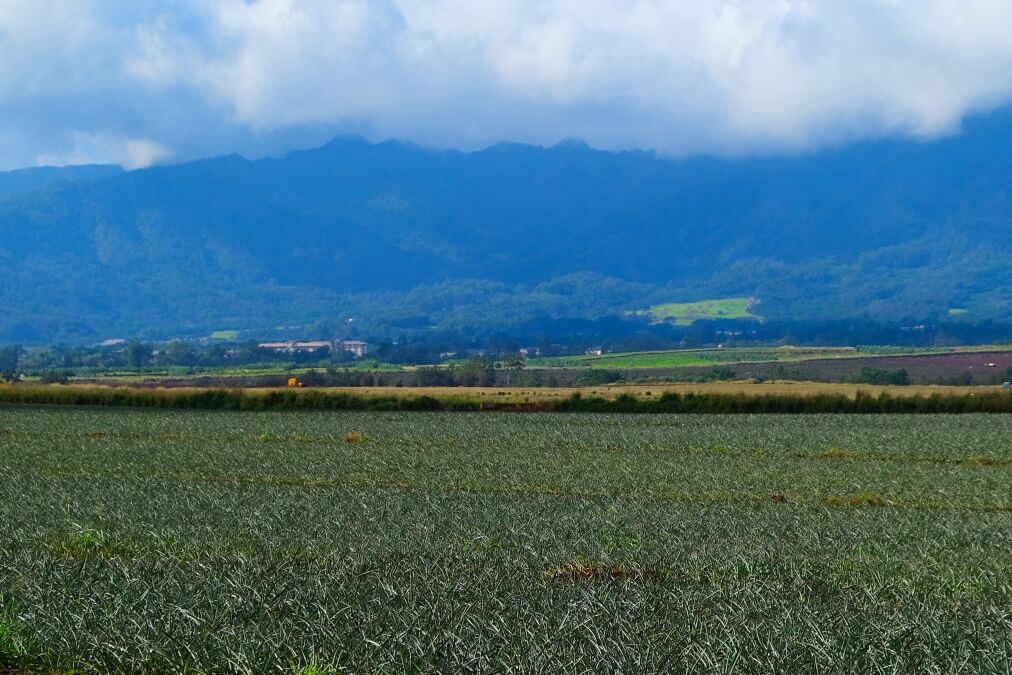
<point x="154" y="81"/>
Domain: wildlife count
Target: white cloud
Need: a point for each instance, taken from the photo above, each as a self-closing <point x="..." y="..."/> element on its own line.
<point x="98" y="148"/>
<point x="140" y="153"/>
<point x="683" y="76"/>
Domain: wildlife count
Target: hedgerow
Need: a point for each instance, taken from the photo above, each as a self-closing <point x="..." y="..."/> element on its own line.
<point x="672" y="402"/>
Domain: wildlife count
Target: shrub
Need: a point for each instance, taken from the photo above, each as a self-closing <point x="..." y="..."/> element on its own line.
<point x="870" y="375"/>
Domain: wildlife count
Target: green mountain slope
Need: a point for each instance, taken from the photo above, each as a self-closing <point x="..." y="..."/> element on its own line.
<point x="397" y="237"/>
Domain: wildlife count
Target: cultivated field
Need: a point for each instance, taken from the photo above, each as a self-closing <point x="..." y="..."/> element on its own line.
<point x="422" y="542"/>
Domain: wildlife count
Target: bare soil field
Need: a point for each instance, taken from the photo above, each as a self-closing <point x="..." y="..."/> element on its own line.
<point x="956" y="368"/>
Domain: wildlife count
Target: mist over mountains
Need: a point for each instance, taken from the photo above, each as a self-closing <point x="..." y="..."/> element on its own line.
<point x="396" y="237"/>
<point x="27" y="180"/>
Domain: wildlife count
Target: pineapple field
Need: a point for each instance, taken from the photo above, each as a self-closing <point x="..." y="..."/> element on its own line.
<point x="327" y="542"/>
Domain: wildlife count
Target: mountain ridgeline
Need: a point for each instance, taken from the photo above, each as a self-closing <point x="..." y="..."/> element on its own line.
<point x="394" y="237"/>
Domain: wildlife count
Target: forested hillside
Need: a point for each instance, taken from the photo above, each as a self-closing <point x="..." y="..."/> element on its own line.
<point x="398" y="237"/>
<point x="27" y="180"/>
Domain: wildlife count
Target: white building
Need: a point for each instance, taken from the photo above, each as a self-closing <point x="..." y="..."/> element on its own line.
<point x="356" y="347"/>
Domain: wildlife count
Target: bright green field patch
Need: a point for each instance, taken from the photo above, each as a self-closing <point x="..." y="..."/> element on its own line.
<point x="692" y="357"/>
<point x="684" y="313"/>
<point x="957" y="311"/>
<point x="225" y="335"/>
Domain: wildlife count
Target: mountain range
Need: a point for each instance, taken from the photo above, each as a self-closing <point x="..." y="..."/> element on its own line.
<point x="356" y="239"/>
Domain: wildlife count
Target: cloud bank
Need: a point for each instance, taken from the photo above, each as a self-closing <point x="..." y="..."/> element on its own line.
<point x="150" y="81"/>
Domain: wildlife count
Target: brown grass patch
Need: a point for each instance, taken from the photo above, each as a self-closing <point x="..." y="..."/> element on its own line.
<point x="581" y="570"/>
<point x="863" y="499"/>
<point x="353" y="438"/>
<point x="837" y="453"/>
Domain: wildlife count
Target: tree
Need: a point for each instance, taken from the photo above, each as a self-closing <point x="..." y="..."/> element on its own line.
<point x="477" y="371"/>
<point x="178" y="353"/>
<point x="513" y="364"/>
<point x="9" y="357"/>
<point x="870" y="375"/>
<point x="435" y="376"/>
<point x="137" y="354"/>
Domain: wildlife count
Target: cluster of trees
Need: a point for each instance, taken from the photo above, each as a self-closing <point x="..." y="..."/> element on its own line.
<point x="10" y="356"/>
<point x="479" y="371"/>
<point x="140" y="355"/>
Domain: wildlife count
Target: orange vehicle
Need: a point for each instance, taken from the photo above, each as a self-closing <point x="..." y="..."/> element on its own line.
<point x="294" y="382"/>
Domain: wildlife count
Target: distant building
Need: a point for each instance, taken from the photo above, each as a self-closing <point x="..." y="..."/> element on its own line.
<point x="596" y="351"/>
<point x="279" y="347"/>
<point x="356" y="347"/>
<point x="293" y="347"/>
<point x="314" y="346"/>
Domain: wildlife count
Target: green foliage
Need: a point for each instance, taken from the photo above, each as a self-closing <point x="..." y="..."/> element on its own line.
<point x="476" y="371"/>
<point x="89" y="541"/>
<point x="10" y="356"/>
<point x="315" y="668"/>
<point x="15" y="647"/>
<point x="593" y="378"/>
<point x="137" y="354"/>
<point x="721" y="373"/>
<point x="175" y="353"/>
<point x="869" y="375"/>
<point x="512" y="364"/>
